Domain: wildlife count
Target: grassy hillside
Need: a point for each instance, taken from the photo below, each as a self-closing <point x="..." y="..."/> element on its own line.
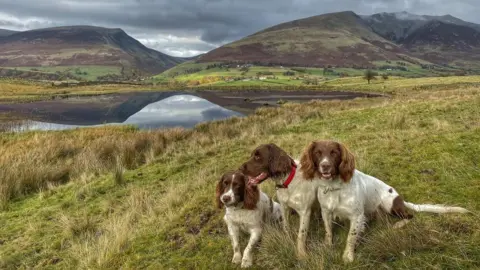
<point x="218" y="75"/>
<point x="82" y="46"/>
<point x="344" y="39"/>
<point x="87" y="73"/>
<point x="341" y="39"/>
<point x="78" y="199"/>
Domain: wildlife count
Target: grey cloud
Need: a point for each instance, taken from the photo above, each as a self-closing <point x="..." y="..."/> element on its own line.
<point x="212" y="22"/>
<point x="215" y="34"/>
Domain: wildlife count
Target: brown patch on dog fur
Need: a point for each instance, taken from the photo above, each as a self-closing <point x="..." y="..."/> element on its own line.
<point x="399" y="209"/>
<point x="347" y="167"/>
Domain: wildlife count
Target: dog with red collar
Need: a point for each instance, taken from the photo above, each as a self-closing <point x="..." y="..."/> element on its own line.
<point x="268" y="161"/>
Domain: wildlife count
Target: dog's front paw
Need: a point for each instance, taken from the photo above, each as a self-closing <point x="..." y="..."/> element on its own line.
<point x="237" y="258"/>
<point x="247" y="262"/>
<point x="348" y="257"/>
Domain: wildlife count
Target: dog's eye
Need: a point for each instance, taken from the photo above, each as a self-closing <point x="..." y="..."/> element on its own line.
<point x="256" y="156"/>
<point x="333" y="153"/>
<point x="319" y="152"/>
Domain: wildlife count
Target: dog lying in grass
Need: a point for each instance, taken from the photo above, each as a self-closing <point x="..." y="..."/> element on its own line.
<point x="347" y="193"/>
<point x="247" y="208"/>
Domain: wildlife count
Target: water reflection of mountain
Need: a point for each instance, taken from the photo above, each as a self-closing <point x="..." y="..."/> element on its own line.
<point x="175" y="111"/>
<point x="87" y="110"/>
<point x="179" y="110"/>
<point x="136" y="107"/>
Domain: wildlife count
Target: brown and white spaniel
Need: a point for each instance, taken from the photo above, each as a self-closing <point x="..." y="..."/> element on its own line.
<point x="270" y="161"/>
<point x="247" y="208"/>
<point x="347" y="193"/>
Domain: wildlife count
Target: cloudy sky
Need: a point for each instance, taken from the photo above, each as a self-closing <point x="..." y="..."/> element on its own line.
<point x="190" y="27"/>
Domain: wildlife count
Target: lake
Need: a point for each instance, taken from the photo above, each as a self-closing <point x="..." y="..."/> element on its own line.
<point x="175" y="111"/>
<point x="154" y="109"/>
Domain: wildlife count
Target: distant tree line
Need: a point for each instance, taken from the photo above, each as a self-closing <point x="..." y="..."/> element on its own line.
<point x="220" y="65"/>
<point x="300" y="70"/>
<point x="408" y="59"/>
<point x="191" y="70"/>
<point x="35" y="75"/>
<point x="265" y="73"/>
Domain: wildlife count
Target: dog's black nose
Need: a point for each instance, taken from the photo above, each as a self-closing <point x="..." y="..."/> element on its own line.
<point x="325" y="167"/>
<point x="226" y="198"/>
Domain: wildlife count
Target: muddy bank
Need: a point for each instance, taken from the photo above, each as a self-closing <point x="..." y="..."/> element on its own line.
<point x="248" y="101"/>
<point x="115" y="108"/>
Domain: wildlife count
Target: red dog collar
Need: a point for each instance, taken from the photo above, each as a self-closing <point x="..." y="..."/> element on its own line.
<point x="290" y="177"/>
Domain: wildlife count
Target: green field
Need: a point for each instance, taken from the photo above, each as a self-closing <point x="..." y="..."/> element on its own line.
<point x="110" y="198"/>
<point x="88" y="73"/>
<point x="15" y="90"/>
<point x="198" y="74"/>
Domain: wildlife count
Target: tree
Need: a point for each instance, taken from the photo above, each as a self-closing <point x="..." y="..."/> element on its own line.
<point x="370" y="75"/>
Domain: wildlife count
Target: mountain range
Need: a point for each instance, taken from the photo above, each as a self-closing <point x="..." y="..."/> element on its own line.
<point x="342" y="39"/>
<point x="347" y="39"/>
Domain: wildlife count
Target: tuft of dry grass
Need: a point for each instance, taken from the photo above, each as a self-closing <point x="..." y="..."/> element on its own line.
<point x="31" y="161"/>
<point x="77" y="227"/>
<point x="119" y="171"/>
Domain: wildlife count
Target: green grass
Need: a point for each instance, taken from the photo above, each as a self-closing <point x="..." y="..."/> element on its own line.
<point x="17" y="90"/>
<point x="179" y="69"/>
<point x="225" y="76"/>
<point x="423" y="140"/>
<point x="89" y="73"/>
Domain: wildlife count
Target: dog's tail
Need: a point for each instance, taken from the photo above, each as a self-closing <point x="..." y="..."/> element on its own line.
<point x="435" y="208"/>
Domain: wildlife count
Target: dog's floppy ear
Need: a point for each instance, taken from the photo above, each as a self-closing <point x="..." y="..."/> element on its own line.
<point x="279" y="161"/>
<point x="308" y="164"/>
<point x="218" y="192"/>
<point x="347" y="166"/>
<point x="251" y="195"/>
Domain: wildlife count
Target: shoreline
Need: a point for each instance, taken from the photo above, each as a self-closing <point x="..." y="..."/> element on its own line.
<point x="117" y="107"/>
